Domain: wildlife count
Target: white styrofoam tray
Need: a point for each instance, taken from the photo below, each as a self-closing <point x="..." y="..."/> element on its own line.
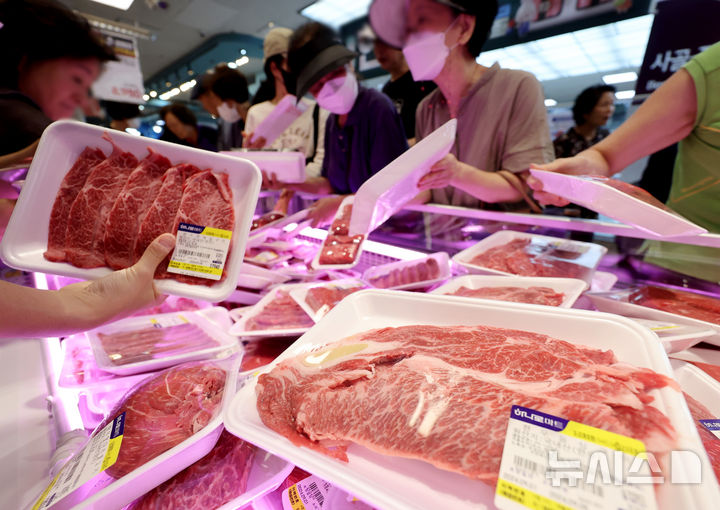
<point x="239" y="328"/>
<point x="698" y="385"/>
<point x="615" y="204"/>
<point x="440" y="257"/>
<point x="266" y="474"/>
<point x="225" y="344"/>
<point x="256" y="277"/>
<point x="288" y="166"/>
<point x="282" y="116"/>
<point x="25" y="239"/>
<point x="104" y="492"/>
<point x="617" y="302"/>
<point x="590" y="257"/>
<point x="391" y="188"/>
<point x="571" y="288"/>
<point x="316" y="261"/>
<point x="676" y="337"/>
<point x="300" y="292"/>
<point x="392" y="482"/>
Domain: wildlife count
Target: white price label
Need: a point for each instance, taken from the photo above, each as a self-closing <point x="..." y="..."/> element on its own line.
<point x="550" y="463"/>
<point x="200" y="251"/>
<point x="97" y="455"/>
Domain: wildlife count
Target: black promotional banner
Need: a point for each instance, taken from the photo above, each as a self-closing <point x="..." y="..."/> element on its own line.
<point x="681" y="30"/>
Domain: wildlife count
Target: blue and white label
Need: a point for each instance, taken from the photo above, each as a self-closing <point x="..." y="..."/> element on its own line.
<point x="712" y="425"/>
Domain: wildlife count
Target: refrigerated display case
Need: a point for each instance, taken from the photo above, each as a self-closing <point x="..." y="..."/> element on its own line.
<point x="45" y="421"/>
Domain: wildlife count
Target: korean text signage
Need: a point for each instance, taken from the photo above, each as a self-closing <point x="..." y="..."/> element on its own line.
<point x="680" y="31"/>
<point x="121" y="80"/>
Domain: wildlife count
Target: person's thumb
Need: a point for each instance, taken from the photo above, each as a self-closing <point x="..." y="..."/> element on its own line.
<point x="157" y="251"/>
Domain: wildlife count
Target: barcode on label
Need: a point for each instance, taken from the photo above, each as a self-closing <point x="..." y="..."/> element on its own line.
<point x="315" y="492"/>
<point x="73" y="468"/>
<point x="192" y="253"/>
<point x="524" y="463"/>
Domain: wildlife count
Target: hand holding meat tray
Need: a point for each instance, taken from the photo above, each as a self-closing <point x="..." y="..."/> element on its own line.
<point x="26" y="238"/>
<point x="387" y="481"/>
<point x="620" y="201"/>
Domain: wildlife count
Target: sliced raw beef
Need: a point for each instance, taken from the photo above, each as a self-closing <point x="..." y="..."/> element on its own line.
<point x="214" y="480"/>
<point x="531" y="258"/>
<point x="423" y="271"/>
<point x="709" y="440"/>
<point x="89" y="213"/>
<point x="341" y="224"/>
<point x="280" y="313"/>
<point x="207" y="201"/>
<point x="689" y="304"/>
<point x="711" y="370"/>
<point x="160" y="217"/>
<point x="164" y="410"/>
<point x="532" y="295"/>
<point x="630" y="189"/>
<point x="153" y="343"/>
<point x="328" y="296"/>
<point x="260" y="353"/>
<point x="265" y="219"/>
<point x="69" y="188"/>
<point x="130" y="206"/>
<point x="340" y="249"/>
<point x="444" y="394"/>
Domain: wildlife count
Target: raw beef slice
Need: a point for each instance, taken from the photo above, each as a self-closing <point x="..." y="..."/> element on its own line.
<point x="214" y="480"/>
<point x="90" y="210"/>
<point x="161" y="215"/>
<point x="127" y="347"/>
<point x="69" y="188"/>
<point x="164" y="410"/>
<point x="444" y="394"/>
<point x="123" y="223"/>
<point x="280" y="313"/>
<point x="709" y="440"/>
<point x="207" y="200"/>
<point x="532" y="295"/>
<point x="689" y="304"/>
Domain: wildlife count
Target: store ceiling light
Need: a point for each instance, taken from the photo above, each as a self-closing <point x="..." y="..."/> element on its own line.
<point x="146" y="97"/>
<point x="153" y="93"/>
<point x="118" y="4"/>
<point x="135" y="31"/>
<point x="187" y="85"/>
<point x="336" y="12"/>
<point x="170" y="94"/>
<point x="242" y="61"/>
<point x="625" y="94"/>
<point x="599" y="49"/>
<point x="232" y="65"/>
<point x="550" y="102"/>
<point x="611" y="79"/>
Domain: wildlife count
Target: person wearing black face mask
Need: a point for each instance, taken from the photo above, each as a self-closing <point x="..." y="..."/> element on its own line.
<point x="307" y="133"/>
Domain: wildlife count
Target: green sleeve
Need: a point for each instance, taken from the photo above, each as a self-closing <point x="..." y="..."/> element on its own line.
<point x="702" y="68"/>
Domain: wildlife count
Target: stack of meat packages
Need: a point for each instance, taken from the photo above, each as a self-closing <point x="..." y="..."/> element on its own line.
<point x="109" y="208"/>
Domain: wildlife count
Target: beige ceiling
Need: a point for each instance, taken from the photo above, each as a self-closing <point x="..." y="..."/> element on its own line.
<point x="186" y="24"/>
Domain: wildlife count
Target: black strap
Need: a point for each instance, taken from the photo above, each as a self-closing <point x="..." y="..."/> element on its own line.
<point x="316" y="121"/>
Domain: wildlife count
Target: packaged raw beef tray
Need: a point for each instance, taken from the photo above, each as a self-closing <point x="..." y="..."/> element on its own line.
<point x="340" y="250"/>
<point x="94" y="200"/>
<point x="619" y="200"/>
<point x="404" y="400"/>
<point x="410" y="274"/>
<point x="518" y="253"/>
<point x="153" y="342"/>
<point x="663" y="304"/>
<point x="161" y="426"/>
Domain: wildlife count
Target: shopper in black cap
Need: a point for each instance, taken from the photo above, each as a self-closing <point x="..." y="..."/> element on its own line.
<point x="364" y="131"/>
<point x="502" y="124"/>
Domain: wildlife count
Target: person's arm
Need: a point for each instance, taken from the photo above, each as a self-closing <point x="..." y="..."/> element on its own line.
<point x="666" y="117"/>
<point x="28" y="312"/>
<point x="20" y="156"/>
<point x="487" y="186"/>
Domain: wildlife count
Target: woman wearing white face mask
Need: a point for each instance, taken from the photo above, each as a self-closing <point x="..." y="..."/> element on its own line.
<point x="363" y="133"/>
<point x="502" y="125"/>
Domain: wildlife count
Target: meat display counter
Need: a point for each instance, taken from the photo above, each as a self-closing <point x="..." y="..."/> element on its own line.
<point x="46" y="421"/>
